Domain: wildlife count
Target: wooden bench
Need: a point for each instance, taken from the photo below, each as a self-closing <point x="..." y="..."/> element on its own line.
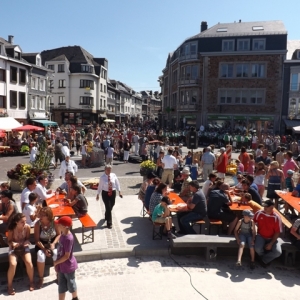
<point x="87" y="223"/>
<point x="209" y="224"/>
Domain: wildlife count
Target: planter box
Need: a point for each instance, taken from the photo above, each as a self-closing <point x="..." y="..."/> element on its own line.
<point x="15" y="185"/>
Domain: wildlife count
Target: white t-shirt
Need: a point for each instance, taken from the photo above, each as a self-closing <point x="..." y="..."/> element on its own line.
<point x="41" y="191"/>
<point x="169" y="161"/>
<point x="29" y="210"/>
<point x="110" y="152"/>
<point x="206" y="186"/>
<point x="24" y="196"/>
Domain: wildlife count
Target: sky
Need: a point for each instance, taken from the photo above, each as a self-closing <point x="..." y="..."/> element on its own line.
<point x="135" y="36"/>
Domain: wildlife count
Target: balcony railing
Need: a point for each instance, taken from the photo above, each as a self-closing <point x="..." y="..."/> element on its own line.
<point x="184" y="107"/>
<point x="189" y="80"/>
<point x="193" y="55"/>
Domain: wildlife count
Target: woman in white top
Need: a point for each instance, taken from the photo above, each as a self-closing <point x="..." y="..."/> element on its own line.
<point x="33" y="152"/>
<point x="30" y="211"/>
<point x="259" y="178"/>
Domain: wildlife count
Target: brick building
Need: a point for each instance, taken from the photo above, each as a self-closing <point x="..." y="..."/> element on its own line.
<point x="227" y="76"/>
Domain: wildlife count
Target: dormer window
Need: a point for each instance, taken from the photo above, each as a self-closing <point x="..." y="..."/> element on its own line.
<point x="38" y="61"/>
<point x="17" y="55"/>
<point x="87" y="68"/>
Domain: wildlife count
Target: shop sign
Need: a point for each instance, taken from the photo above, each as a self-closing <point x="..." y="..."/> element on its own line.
<point x="262" y="118"/>
<point x="219" y="117"/>
<point x="239" y="118"/>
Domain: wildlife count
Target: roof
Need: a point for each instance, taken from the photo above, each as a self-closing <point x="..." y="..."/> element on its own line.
<point x="30" y="54"/>
<point x="74" y="54"/>
<point x="243" y="29"/>
<point x="59" y="58"/>
<point x="292" y="47"/>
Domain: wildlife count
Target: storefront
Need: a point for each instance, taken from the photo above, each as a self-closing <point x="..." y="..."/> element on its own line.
<point x="219" y="122"/>
<point x="79" y="118"/>
<point x="262" y="124"/>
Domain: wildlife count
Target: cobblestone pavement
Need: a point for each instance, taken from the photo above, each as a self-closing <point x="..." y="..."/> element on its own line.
<point x="161" y="277"/>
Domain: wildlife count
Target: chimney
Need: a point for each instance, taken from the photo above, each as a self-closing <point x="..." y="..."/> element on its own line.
<point x="11" y="39"/>
<point x="203" y="26"/>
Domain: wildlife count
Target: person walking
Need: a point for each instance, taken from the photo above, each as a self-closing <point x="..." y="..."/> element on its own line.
<point x="126" y="148"/>
<point x="108" y="186"/>
<point x="67" y="165"/>
<point x="169" y="163"/>
<point x="207" y="162"/>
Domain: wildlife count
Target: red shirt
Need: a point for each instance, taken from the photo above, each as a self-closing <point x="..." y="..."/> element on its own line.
<point x="267" y="225"/>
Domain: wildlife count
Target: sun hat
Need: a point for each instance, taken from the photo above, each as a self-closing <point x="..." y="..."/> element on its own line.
<point x="222" y="149"/>
<point x="186" y="171"/>
<point x="64" y="221"/>
<point x="290" y="172"/>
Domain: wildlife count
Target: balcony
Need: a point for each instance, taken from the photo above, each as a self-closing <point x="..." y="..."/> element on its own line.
<point x="187" y="107"/>
<point x="188" y="80"/>
<point x="191" y="56"/>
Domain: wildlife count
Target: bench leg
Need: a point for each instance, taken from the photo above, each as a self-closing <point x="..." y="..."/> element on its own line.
<point x="156" y="232"/>
<point x="289" y="257"/>
<point x="211" y="253"/>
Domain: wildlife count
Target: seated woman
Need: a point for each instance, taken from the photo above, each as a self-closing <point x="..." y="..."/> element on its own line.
<point x="8" y="208"/>
<point x="149" y="191"/>
<point x="30" y="211"/>
<point x="79" y="202"/>
<point x="46" y="235"/>
<point x="18" y="241"/>
<point x="157" y="195"/>
<point x="161" y="214"/>
<point x="145" y="184"/>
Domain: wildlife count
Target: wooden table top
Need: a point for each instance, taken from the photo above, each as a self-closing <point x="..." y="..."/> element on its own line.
<point x="62" y="209"/>
<point x="291" y="200"/>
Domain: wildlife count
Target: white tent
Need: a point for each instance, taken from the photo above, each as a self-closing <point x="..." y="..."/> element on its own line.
<point x="9" y="123"/>
<point x="296" y="129"/>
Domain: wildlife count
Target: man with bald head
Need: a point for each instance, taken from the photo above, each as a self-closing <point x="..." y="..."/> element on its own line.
<point x="218" y="207"/>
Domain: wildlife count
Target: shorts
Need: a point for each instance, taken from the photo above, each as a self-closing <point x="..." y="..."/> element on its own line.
<point x="66" y="282"/>
<point x="246" y="239"/>
<point x="160" y="220"/>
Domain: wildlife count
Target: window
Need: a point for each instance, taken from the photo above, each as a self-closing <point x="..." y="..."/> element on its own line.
<point x="51" y="84"/>
<point x="41" y="103"/>
<point x="42" y="84"/>
<point x="227" y="70"/>
<point x="86" y="101"/>
<point x="258" y="70"/>
<point x="22" y="74"/>
<point x="194" y="97"/>
<point x="294" y="82"/>
<point x="17" y="55"/>
<point x="22" y="100"/>
<point x="87" y="84"/>
<point x="32" y="101"/>
<point x="103" y="73"/>
<point x="174" y="100"/>
<point x="241" y="96"/>
<point x="2" y="102"/>
<point x="228" y="45"/>
<point x="87" y="68"/>
<point x="61" y="100"/>
<point x="61" y="68"/>
<point x="13" y="99"/>
<point x="174" y="76"/>
<point x="101" y="87"/>
<point x="33" y="83"/>
<point x="257" y="28"/>
<point x="13" y="74"/>
<point x="51" y="67"/>
<point x="38" y="61"/>
<point x="193" y="49"/>
<point x="2" y="75"/>
<point x="242" y="70"/>
<point x="194" y="72"/>
<point x="222" y="30"/>
<point x="104" y="88"/>
<point x="62" y="83"/>
<point x="243" y="45"/>
<point x="258" y="44"/>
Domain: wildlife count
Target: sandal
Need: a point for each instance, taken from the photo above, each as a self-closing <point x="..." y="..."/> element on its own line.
<point x="40" y="283"/>
<point x="11" y="291"/>
<point x="31" y="287"/>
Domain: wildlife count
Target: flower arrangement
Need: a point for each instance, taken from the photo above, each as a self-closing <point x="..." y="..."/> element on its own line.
<point x="146" y="167"/>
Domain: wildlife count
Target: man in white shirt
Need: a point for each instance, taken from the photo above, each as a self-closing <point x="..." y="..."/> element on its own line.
<point x="30" y="186"/>
<point x="67" y="165"/>
<point x="41" y="190"/>
<point x="108" y="186"/>
<point x="169" y="163"/>
<point x="208" y="183"/>
<point x="135" y="141"/>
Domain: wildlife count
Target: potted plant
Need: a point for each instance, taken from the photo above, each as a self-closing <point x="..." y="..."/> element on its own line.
<point x="146" y="167"/>
<point x="40" y="166"/>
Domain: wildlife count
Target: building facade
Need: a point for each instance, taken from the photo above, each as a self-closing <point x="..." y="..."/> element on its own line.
<point x="228" y="76"/>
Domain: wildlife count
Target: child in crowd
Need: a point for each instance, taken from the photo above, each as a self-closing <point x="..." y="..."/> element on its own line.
<point x="194" y="169"/>
<point x="245" y="233"/>
<point x="240" y="166"/>
<point x="161" y="214"/>
<point x="66" y="263"/>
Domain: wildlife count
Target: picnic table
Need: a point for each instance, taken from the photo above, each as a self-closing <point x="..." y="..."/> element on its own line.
<point x="293" y="201"/>
<point x="59" y="209"/>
